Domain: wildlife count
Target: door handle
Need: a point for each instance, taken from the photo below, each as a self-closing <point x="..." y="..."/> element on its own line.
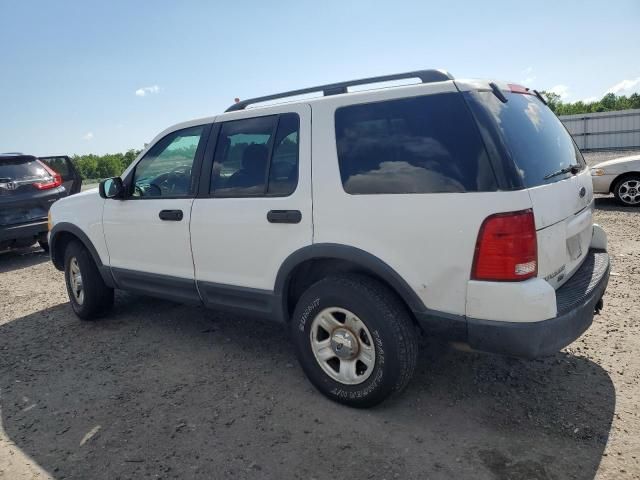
<point x="171" y="215"/>
<point x="284" y="216"/>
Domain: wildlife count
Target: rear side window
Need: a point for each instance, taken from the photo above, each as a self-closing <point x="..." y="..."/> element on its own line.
<point x="256" y="157"/>
<point x="57" y="164"/>
<point x="427" y="144"/>
<point x="534" y="138"/>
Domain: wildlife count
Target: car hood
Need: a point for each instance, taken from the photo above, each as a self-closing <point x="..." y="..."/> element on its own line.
<point x="622" y="163"/>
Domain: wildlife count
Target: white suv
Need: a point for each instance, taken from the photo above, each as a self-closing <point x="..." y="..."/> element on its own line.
<point x="358" y="219"/>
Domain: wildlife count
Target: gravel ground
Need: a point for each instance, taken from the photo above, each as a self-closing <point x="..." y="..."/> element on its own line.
<point x="160" y="390"/>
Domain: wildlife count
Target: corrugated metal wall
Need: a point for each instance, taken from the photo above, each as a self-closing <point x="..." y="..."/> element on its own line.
<point x="605" y="130"/>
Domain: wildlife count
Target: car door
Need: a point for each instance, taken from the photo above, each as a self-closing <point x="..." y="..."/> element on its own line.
<point x="63" y="165"/>
<point x="255" y="210"/>
<point x="147" y="232"/>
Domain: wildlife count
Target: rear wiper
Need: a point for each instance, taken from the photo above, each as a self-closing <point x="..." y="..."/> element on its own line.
<point x="570" y="169"/>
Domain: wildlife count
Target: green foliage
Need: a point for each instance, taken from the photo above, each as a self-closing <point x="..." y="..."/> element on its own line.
<point x="608" y="103"/>
<point x="97" y="167"/>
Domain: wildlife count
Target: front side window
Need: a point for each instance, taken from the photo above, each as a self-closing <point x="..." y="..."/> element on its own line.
<point x="165" y="171"/>
<point x="427" y="144"/>
<point x="256" y="157"/>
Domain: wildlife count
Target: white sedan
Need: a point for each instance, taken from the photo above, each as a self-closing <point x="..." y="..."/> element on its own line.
<point x="620" y="176"/>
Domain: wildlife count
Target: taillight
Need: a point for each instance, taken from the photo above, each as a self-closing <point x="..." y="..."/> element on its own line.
<point x="52" y="181"/>
<point x="506" y="249"/>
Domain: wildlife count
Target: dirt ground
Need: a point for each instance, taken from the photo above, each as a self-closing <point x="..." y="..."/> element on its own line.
<point x="160" y="390"/>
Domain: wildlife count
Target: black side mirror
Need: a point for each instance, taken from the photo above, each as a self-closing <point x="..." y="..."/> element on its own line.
<point x="111" y="188"/>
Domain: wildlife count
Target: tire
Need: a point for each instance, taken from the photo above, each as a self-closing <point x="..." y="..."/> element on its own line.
<point x="365" y="310"/>
<point x="627" y="191"/>
<point x="44" y="245"/>
<point x="95" y="298"/>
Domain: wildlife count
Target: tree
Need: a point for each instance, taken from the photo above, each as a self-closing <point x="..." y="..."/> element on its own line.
<point x="607" y="103"/>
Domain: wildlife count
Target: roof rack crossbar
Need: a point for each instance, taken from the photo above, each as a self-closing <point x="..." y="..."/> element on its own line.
<point x="425" y="76"/>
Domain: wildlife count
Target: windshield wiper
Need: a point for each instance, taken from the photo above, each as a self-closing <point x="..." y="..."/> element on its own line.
<point x="570" y="169"/>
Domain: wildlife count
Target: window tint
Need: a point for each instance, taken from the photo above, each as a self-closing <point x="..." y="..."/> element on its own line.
<point x="58" y="164"/>
<point x="537" y="141"/>
<point x="425" y="144"/>
<point x="241" y="163"/>
<point x="165" y="171"/>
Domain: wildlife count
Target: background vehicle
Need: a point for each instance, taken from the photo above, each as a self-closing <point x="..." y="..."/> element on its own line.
<point x="620" y="176"/>
<point x="28" y="187"/>
<point x="462" y="208"/>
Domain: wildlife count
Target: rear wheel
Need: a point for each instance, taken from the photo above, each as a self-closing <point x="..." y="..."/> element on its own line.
<point x="354" y="339"/>
<point x="627" y="191"/>
<point x="88" y="294"/>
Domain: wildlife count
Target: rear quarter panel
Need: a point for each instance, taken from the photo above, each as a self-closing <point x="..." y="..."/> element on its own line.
<point x="428" y="239"/>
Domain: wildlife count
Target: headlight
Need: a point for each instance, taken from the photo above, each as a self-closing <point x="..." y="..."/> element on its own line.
<point x="597" y="172"/>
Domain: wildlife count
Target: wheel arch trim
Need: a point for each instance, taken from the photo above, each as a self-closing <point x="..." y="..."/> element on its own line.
<point x="366" y="260"/>
<point x="69" y="228"/>
<point x="618" y="178"/>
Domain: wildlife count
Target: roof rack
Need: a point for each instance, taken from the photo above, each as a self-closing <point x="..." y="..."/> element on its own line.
<point x="425" y="76"/>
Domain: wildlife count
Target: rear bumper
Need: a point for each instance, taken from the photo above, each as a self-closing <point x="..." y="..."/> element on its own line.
<point x="23" y="230"/>
<point x="576" y="301"/>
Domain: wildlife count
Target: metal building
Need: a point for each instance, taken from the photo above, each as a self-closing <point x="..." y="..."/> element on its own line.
<point x="605" y="130"/>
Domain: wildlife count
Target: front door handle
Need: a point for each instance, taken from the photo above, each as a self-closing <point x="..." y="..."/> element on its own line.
<point x="171" y="215"/>
<point x="284" y="216"/>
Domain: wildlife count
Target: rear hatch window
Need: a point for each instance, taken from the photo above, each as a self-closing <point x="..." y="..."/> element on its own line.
<point x="18" y="174"/>
<point x="537" y="142"/>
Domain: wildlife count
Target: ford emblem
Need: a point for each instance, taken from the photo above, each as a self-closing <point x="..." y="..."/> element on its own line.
<point x="583" y="192"/>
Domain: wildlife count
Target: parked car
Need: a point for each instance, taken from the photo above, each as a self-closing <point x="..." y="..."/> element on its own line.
<point x="459" y="208"/>
<point x="28" y="187"/>
<point x="620" y="176"/>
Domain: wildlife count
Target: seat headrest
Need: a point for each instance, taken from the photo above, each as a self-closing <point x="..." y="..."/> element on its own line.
<point x="255" y="157"/>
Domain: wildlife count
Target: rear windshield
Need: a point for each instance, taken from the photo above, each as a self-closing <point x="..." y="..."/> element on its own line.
<point x="535" y="139"/>
<point x="427" y="144"/>
<point x="20" y="169"/>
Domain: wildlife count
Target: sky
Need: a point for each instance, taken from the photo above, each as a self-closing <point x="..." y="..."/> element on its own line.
<point x="86" y="76"/>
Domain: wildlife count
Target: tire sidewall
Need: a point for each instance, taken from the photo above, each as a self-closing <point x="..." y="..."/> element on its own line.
<point x="381" y="382"/>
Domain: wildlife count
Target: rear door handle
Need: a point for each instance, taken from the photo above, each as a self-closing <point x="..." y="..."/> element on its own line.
<point x="171" y="215"/>
<point x="284" y="216"/>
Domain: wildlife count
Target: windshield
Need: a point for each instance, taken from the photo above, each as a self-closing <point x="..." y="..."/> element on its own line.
<point x="536" y="140"/>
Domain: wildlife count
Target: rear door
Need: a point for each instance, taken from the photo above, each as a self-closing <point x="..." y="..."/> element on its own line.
<point x="254" y="207"/>
<point x="63" y="165"/>
<point x="27" y="190"/>
<point x="543" y="154"/>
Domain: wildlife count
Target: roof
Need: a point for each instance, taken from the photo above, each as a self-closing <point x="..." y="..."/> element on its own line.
<point x="16" y="156"/>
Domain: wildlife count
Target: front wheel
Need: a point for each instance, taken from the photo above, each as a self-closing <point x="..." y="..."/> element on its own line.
<point x="354" y="339"/>
<point x="627" y="191"/>
<point x="88" y="294"/>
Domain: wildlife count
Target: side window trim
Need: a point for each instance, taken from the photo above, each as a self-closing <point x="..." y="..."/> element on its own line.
<point x="203" y="190"/>
<point x="196" y="168"/>
<point x="272" y="141"/>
